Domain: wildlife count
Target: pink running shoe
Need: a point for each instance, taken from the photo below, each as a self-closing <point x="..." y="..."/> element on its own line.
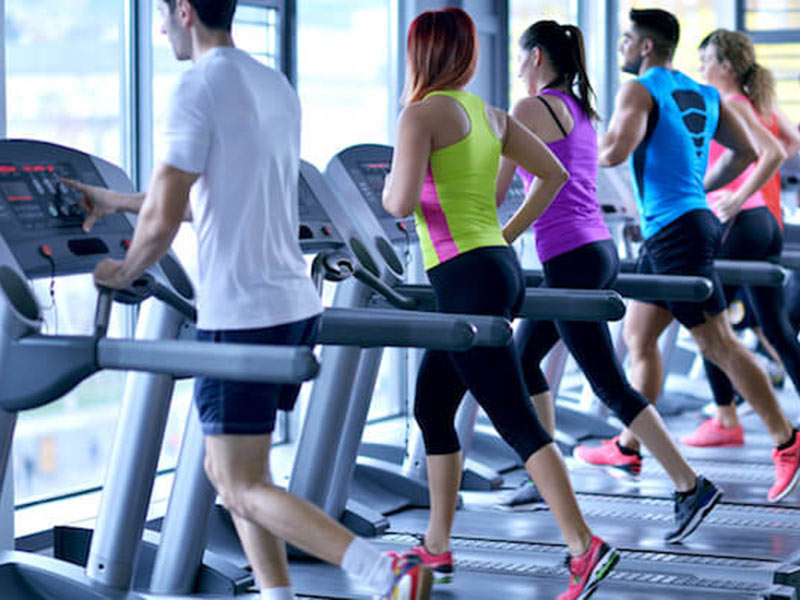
<point x="412" y="579"/>
<point x="588" y="570"/>
<point x="787" y="472"/>
<point x="609" y="454"/>
<point x="440" y="564"/>
<point x="712" y="432"/>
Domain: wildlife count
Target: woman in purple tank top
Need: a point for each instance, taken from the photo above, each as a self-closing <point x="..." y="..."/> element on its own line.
<point x="576" y="251"/>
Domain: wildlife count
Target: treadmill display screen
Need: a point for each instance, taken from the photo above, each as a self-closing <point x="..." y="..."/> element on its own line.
<point x="375" y="174"/>
<point x="41" y="217"/>
<point x="35" y="195"/>
<point x="16" y="190"/>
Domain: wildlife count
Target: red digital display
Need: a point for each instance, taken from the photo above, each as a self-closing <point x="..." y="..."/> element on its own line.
<point x="375" y="166"/>
<point x="39" y="168"/>
<point x="16" y="191"/>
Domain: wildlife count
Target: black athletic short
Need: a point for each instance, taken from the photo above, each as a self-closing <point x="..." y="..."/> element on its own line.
<point x="687" y="246"/>
<point x="245" y="408"/>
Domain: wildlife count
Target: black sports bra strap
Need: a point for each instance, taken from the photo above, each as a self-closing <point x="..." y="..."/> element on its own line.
<point x="553" y="114"/>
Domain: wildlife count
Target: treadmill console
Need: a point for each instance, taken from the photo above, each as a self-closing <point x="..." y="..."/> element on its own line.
<point x="364" y="168"/>
<point x="40" y="217"/>
<point x="514" y="199"/>
<point x="317" y="231"/>
<point x="615" y="195"/>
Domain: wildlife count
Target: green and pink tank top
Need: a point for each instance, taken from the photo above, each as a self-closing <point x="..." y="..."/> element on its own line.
<point x="457" y="211"/>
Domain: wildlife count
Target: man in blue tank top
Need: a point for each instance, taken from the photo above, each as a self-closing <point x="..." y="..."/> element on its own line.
<point x="663" y="121"/>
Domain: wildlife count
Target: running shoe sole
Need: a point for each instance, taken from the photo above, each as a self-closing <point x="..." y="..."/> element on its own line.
<point x="729" y="445"/>
<point x="788" y="489"/>
<point x="697" y="519"/>
<point x="524" y="495"/>
<point x="600" y="571"/>
<point x="633" y="472"/>
<point x="439" y="577"/>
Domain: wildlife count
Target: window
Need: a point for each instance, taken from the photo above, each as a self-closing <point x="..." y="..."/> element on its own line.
<point x="345" y="82"/>
<point x="522" y="14"/>
<point x="65" y="85"/>
<point x="697" y="19"/>
<point x="772" y="15"/>
<point x="64" y="73"/>
<point x="774" y="25"/>
<point x="344" y="77"/>
<point x="783" y="59"/>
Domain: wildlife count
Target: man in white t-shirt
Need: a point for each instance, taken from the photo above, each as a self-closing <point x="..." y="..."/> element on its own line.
<point x="231" y="167"/>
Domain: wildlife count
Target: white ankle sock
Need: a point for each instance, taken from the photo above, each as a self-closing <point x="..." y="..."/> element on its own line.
<point x="366" y="563"/>
<point x="281" y="593"/>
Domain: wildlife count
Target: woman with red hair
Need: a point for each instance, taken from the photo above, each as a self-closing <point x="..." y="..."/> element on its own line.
<point x="449" y="145"/>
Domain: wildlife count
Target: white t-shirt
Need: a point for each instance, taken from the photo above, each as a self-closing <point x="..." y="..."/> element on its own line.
<point x="236" y="122"/>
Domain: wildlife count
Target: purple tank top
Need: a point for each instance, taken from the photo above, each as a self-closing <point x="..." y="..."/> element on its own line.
<point x="574" y="218"/>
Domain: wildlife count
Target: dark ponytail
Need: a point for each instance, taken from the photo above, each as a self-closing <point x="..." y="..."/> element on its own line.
<point x="570" y="66"/>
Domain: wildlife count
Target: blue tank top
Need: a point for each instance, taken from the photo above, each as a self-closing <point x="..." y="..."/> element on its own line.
<point x="669" y="164"/>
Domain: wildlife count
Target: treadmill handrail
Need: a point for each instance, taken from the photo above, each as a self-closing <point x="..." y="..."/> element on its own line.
<point x="238" y="362"/>
<point x="27" y="380"/>
<point x="547" y="303"/>
<point x="790" y="259"/>
<point x="374" y="327"/>
<point x="572" y="305"/>
<point x="143" y="287"/>
<point x="388" y="292"/>
<point x="737" y="272"/>
<point x="648" y="287"/>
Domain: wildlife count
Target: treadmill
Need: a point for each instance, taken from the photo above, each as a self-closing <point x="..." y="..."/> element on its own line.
<point x="739" y="552"/>
<point x="197" y="550"/>
<point x="41" y="235"/>
<point x="326" y="454"/>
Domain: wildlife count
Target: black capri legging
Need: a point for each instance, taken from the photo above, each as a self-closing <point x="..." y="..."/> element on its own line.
<point x="486" y="281"/>
<point x="591" y="266"/>
<point x="755" y="235"/>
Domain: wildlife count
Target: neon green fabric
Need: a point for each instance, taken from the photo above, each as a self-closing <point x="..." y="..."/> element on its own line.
<point x="457" y="211"/>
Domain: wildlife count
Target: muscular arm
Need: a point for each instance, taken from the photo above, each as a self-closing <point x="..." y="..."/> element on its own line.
<point x="160" y="215"/>
<point x="132" y="203"/>
<point x="411" y="154"/>
<point x="525" y="149"/>
<point x="628" y="124"/>
<point x="731" y="133"/>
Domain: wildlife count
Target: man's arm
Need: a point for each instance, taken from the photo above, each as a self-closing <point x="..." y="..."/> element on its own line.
<point x="99" y="202"/>
<point x="628" y="124"/>
<point x="732" y="134"/>
<point x="160" y="215"/>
